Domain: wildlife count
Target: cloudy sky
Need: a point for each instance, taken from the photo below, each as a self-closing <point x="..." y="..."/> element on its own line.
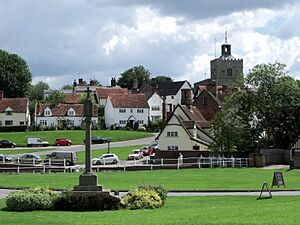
<point x="98" y="39"/>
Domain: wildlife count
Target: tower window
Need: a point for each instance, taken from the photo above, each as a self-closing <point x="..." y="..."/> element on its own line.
<point x="229" y="72"/>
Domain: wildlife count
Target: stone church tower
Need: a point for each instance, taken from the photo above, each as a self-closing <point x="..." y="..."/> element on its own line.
<point x="226" y="70"/>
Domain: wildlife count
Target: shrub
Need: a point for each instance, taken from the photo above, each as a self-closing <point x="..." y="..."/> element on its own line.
<point x="159" y="189"/>
<point x="31" y="199"/>
<point x="141" y="199"/>
<point x="95" y="201"/>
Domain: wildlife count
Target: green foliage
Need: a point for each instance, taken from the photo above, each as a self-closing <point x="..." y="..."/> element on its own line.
<point x="55" y="98"/>
<point x="36" y="91"/>
<point x="129" y="76"/>
<point x="87" y="202"/>
<point x="266" y="113"/>
<point x="135" y="126"/>
<point x="67" y="87"/>
<point x="83" y="98"/>
<point x="160" y="80"/>
<point x="31" y="199"/>
<point x="15" y="76"/>
<point x="141" y="199"/>
<point x="159" y="189"/>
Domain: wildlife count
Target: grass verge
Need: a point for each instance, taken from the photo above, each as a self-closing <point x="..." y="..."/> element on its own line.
<point x="228" y="210"/>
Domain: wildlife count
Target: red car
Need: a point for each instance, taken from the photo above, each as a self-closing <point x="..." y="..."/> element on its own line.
<point x="147" y="150"/>
<point x="62" y="142"/>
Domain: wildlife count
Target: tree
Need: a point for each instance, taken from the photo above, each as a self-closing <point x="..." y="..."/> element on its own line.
<point x="15" y="76"/>
<point x="55" y="98"/>
<point x="266" y="113"/>
<point x="67" y="87"/>
<point x="160" y="80"/>
<point x="36" y="93"/>
<point x="128" y="77"/>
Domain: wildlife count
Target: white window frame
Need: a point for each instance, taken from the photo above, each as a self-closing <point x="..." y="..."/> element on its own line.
<point x="122" y="110"/>
<point x="172" y="134"/>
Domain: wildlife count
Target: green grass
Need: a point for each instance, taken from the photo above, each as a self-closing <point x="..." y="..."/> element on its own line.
<point x="121" y="152"/>
<point x="77" y="136"/>
<point x="228" y="210"/>
<point x="187" y="179"/>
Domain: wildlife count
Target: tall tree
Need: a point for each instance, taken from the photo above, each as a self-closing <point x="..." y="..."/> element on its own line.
<point x="160" y="80"/>
<point x="67" y="87"/>
<point x="15" y="76"/>
<point x="55" y="98"/>
<point x="264" y="114"/>
<point x="36" y="91"/>
<point x="128" y="77"/>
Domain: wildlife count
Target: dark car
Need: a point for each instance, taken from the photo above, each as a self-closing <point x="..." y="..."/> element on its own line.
<point x="7" y="144"/>
<point x="100" y="140"/>
<point x="62" y="142"/>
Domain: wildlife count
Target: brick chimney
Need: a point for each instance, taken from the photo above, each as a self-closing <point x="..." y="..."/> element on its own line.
<point x="1" y="95"/>
<point x="113" y="82"/>
<point x="213" y="88"/>
<point x="186" y="98"/>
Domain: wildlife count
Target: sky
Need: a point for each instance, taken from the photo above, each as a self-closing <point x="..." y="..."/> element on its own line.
<point x="99" y="39"/>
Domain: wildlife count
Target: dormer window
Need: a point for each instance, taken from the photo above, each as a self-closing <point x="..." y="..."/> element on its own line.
<point x="47" y="112"/>
<point x="71" y="112"/>
<point x="8" y="111"/>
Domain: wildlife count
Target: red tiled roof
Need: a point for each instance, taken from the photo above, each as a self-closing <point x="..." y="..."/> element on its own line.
<point x="16" y="104"/>
<point x="72" y="98"/>
<point x="129" y="101"/>
<point x="103" y="92"/>
<point x="195" y="116"/>
<point x="62" y="109"/>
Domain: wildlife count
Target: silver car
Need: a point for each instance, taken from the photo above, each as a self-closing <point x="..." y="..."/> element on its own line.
<point x="104" y="159"/>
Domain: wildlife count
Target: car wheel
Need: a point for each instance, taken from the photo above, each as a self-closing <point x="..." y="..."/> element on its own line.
<point x="98" y="163"/>
<point x="69" y="144"/>
<point x="68" y="163"/>
<point x="115" y="161"/>
<point x="12" y="146"/>
<point x="58" y="144"/>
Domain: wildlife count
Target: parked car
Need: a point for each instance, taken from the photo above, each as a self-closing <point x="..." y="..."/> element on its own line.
<point x="36" y="142"/>
<point x="135" y="154"/>
<point x="100" y="140"/>
<point x="67" y="158"/>
<point x="63" y="142"/>
<point x="154" y="146"/>
<point x="147" y="150"/>
<point x="105" y="159"/>
<point x="7" y="144"/>
<point x="5" y="158"/>
<point x="28" y="158"/>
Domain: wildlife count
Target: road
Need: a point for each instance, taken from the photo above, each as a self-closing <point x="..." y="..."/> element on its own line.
<point x="5" y="192"/>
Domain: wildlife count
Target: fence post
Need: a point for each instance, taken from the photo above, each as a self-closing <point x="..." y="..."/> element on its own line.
<point x="151" y="166"/>
<point x="49" y="161"/>
<point x="33" y="162"/>
<point x="210" y="160"/>
<point x="232" y="161"/>
<point x="64" y="162"/>
<point x="161" y="161"/>
<point x="124" y="168"/>
<point x="44" y="169"/>
<point x="178" y="165"/>
<point x="18" y="170"/>
<point x="134" y="162"/>
<point x="240" y="163"/>
<point x="3" y="159"/>
<point x="18" y="160"/>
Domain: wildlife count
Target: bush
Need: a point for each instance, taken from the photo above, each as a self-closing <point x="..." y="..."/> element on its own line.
<point x="159" y="189"/>
<point x="31" y="199"/>
<point x="96" y="201"/>
<point x="141" y="199"/>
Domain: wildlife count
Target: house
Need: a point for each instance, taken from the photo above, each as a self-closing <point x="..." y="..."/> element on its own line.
<point x="62" y="115"/>
<point x="155" y="104"/>
<point x="123" y="109"/>
<point x="185" y="129"/>
<point x="103" y="92"/>
<point x="14" y="113"/>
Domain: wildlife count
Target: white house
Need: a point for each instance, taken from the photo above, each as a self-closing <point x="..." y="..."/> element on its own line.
<point x="121" y="109"/>
<point x="185" y="130"/>
<point x="155" y="104"/>
<point x="70" y="115"/>
<point x="14" y="112"/>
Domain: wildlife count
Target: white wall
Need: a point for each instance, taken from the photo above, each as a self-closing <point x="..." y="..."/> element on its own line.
<point x="15" y="117"/>
<point x="156" y="101"/>
<point x="112" y="115"/>
<point x="53" y="120"/>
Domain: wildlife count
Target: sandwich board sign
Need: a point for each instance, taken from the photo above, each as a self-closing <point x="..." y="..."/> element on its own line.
<point x="278" y="179"/>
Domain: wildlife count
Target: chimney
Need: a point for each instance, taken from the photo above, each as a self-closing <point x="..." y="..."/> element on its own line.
<point x="213" y="88"/>
<point x="113" y="82"/>
<point x="1" y="95"/>
<point x="164" y="111"/>
<point x="80" y="81"/>
<point x="186" y="98"/>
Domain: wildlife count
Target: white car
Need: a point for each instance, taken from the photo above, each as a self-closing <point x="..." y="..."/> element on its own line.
<point x="135" y="154"/>
<point x="106" y="159"/>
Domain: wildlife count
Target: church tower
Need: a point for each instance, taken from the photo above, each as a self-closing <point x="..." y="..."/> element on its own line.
<point x="226" y="70"/>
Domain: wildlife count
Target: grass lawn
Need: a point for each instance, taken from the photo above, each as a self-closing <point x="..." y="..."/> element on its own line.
<point x="77" y="136"/>
<point x="187" y="179"/>
<point x="230" y="210"/>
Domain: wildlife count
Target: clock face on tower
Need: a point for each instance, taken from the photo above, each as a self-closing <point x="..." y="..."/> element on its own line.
<point x="230" y="65"/>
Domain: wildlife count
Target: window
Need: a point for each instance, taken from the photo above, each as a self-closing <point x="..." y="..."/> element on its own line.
<point x="155" y="118"/>
<point x="43" y="122"/>
<point x="122" y="110"/>
<point x="70" y="122"/>
<point x="229" y="72"/>
<point x="22" y="123"/>
<point x="155" y="108"/>
<point x="172" y="97"/>
<point x="196" y="147"/>
<point x="47" y="112"/>
<point x="8" y="122"/>
<point x="8" y="113"/>
<point x="71" y="112"/>
<point x="122" y="121"/>
<point x="131" y="110"/>
<point x="172" y="134"/>
<point x="140" y="111"/>
<point x="204" y="101"/>
<point x="140" y="121"/>
<point x="173" y="148"/>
